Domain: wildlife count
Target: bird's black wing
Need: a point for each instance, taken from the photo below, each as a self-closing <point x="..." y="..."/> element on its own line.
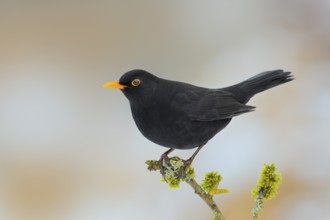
<point x="210" y="105"/>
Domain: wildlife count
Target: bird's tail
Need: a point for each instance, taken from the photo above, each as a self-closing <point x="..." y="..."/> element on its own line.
<point x="258" y="83"/>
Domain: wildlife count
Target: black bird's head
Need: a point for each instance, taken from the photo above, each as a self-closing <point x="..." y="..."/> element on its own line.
<point x="137" y="85"/>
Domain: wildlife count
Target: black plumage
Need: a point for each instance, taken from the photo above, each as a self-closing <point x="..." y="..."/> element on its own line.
<point x="183" y="116"/>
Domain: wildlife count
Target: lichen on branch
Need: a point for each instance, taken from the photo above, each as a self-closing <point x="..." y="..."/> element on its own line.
<point x="266" y="188"/>
<point x="174" y="172"/>
<point x="211" y="182"/>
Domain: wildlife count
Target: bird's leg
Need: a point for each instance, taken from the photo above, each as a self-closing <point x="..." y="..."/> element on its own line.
<point x="163" y="158"/>
<point x="188" y="162"/>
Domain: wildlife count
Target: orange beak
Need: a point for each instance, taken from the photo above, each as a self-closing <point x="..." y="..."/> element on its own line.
<point x="114" y="85"/>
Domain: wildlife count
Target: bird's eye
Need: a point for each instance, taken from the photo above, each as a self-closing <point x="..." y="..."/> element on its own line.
<point x="136" y="82"/>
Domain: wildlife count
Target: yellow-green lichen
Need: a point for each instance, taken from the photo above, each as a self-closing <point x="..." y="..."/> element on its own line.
<point x="266" y="188"/>
<point x="268" y="183"/>
<point x="210" y="183"/>
<point x="153" y="164"/>
<point x="190" y="173"/>
<point x="174" y="172"/>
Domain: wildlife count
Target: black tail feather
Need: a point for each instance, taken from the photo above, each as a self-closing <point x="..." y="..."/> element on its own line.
<point x="258" y="83"/>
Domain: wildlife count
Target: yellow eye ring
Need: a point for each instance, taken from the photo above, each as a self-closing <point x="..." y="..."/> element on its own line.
<point x="136" y="82"/>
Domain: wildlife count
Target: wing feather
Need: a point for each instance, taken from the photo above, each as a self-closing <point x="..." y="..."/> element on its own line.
<point x="210" y="105"/>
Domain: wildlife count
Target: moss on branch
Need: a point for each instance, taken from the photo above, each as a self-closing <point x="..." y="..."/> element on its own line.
<point x="266" y="188"/>
<point x="174" y="172"/>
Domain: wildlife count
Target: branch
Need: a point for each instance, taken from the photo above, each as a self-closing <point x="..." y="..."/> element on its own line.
<point x="208" y="199"/>
<point x="174" y="171"/>
<point x="266" y="188"/>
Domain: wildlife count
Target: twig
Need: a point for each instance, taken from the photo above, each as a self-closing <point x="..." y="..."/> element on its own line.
<point x="173" y="174"/>
<point x="266" y="188"/>
<point x="208" y="199"/>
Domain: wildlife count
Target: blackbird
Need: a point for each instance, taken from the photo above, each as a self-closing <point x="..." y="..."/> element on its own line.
<point x="179" y="115"/>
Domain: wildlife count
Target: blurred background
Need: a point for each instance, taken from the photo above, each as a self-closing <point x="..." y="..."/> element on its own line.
<point x="69" y="148"/>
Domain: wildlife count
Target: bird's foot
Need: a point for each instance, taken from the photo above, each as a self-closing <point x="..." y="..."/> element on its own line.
<point x="187" y="163"/>
<point x="184" y="167"/>
<point x="162" y="161"/>
<point x="174" y="168"/>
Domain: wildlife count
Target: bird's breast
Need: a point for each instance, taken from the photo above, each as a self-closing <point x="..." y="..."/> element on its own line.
<point x="170" y="127"/>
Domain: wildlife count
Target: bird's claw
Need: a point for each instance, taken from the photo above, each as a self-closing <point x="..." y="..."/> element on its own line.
<point x="183" y="168"/>
<point x="165" y="165"/>
<point x="163" y="159"/>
